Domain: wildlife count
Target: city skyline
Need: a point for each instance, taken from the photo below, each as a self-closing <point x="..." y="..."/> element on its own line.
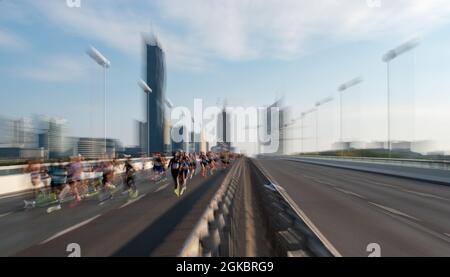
<point x="256" y="68"/>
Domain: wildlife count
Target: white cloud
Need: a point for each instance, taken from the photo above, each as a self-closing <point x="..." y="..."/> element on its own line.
<point x="54" y="69"/>
<point x="196" y="32"/>
<point x="119" y="28"/>
<point x="10" y="41"/>
<point x="246" y="29"/>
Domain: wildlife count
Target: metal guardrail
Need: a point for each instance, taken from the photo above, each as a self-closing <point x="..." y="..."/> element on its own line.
<point x="422" y="163"/>
<point x="210" y="235"/>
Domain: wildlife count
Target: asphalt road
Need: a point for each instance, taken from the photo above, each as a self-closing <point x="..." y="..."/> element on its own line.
<point x="353" y="209"/>
<point x="154" y="224"/>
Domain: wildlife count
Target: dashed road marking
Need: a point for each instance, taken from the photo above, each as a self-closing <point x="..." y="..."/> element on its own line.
<point x="132" y="201"/>
<point x="6" y="214"/>
<point x="162" y="187"/>
<point x="425" y="194"/>
<point x="65" y="231"/>
<point x="314" y="179"/>
<point x="394" y="211"/>
<point x="350" y="193"/>
<point x="382" y="184"/>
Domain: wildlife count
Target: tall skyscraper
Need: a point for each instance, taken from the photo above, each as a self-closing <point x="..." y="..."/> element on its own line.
<point x="156" y="80"/>
<point x="267" y="121"/>
<point x="142" y="135"/>
<point x="223" y="129"/>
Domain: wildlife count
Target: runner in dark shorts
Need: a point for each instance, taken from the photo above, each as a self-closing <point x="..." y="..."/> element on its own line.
<point x="174" y="165"/>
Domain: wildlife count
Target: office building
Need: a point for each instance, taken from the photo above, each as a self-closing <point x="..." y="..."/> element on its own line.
<point x="155" y="71"/>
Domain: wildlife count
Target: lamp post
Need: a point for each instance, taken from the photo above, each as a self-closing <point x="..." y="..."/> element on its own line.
<point x="302" y="117"/>
<point x="341" y="90"/>
<point x="318" y="105"/>
<point x="105" y="64"/>
<point x="169" y="103"/>
<point x="387" y="58"/>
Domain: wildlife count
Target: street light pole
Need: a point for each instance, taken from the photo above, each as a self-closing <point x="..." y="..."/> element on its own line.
<point x="387" y="58"/>
<point x="301" y="139"/>
<point x="104" y="104"/>
<point x="388" y="78"/>
<point x="317" y="131"/>
<point x="302" y="126"/>
<point x="105" y="64"/>
<point x="341" y="136"/>
<point x="318" y="104"/>
<point x="341" y="90"/>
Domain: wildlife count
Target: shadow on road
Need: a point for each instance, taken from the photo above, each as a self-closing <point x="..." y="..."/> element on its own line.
<point x="152" y="237"/>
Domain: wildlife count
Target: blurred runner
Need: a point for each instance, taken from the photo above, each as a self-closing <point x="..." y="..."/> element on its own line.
<point x="74" y="173"/>
<point x="192" y="165"/>
<point x="34" y="169"/>
<point x="129" y="179"/>
<point x="58" y="174"/>
<point x="183" y="173"/>
<point x="107" y="181"/>
<point x="174" y="165"/>
<point x="158" y="168"/>
<point x="204" y="163"/>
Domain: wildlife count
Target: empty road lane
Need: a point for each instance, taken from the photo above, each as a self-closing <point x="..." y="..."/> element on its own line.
<point x="353" y="209"/>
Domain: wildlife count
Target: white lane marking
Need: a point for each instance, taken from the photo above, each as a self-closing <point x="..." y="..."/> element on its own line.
<point x="447" y="234"/>
<point x="425" y="194"/>
<point x="381" y="184"/>
<point x="394" y="211"/>
<point x="162" y="187"/>
<point x="368" y="181"/>
<point x="132" y="201"/>
<point x="405" y="190"/>
<point x="324" y="183"/>
<point x="63" y="232"/>
<point x="4" y="215"/>
<point x="350" y="193"/>
<point x="314" y="179"/>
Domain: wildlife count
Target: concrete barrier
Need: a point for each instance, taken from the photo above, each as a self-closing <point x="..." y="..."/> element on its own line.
<point x="13" y="181"/>
<point x="210" y="236"/>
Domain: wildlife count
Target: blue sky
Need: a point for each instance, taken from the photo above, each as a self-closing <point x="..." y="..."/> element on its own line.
<point x="251" y="51"/>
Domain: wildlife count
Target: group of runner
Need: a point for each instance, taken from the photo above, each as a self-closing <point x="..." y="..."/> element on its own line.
<point x="79" y="179"/>
<point x="83" y="179"/>
<point x="185" y="166"/>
